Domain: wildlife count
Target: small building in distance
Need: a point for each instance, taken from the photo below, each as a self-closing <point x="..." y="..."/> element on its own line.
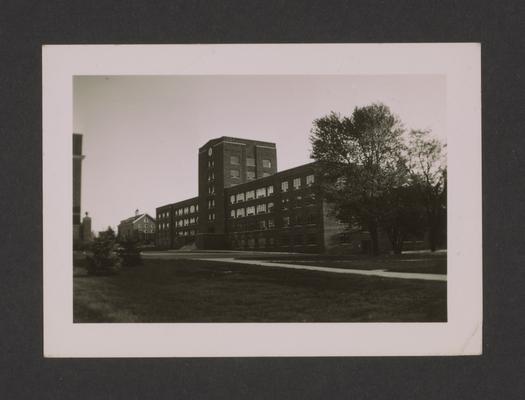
<point x="140" y="227"/>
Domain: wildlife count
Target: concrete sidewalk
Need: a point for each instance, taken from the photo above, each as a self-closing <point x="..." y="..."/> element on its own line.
<point x="375" y="272"/>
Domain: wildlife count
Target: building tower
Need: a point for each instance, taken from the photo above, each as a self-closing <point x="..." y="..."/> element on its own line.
<point x="77" y="184"/>
<point x="226" y="162"/>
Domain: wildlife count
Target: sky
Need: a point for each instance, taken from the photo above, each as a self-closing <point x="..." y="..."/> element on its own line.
<point x="141" y="134"/>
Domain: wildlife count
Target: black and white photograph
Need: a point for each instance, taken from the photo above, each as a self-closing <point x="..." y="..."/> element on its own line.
<point x="293" y="194"/>
<point x="259" y="199"/>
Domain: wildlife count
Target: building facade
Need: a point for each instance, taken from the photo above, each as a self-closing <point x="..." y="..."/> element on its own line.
<point x="177" y="223"/>
<point x="245" y="204"/>
<point x="139" y="227"/>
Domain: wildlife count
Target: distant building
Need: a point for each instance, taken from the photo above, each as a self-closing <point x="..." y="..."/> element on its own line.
<point x="139" y="227"/>
<point x="87" y="235"/>
<point x="77" y="184"/>
<point x="245" y="204"/>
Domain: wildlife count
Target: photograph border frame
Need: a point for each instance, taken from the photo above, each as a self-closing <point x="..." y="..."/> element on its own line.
<point x="460" y="335"/>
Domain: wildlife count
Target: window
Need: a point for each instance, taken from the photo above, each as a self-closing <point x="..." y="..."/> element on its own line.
<point x="261" y="208"/>
<point x="234" y="173"/>
<point x="232" y="199"/>
<point x="266" y="163"/>
<point x="310" y="180"/>
<point x="270" y="207"/>
<point x="192" y="232"/>
<point x="284" y="186"/>
<point x="211" y="203"/>
<point x="262" y="242"/>
<point x="286" y="221"/>
<point x="186" y="210"/>
<point x="211" y="217"/>
<point x="271" y="223"/>
<point x="232" y="213"/>
<point x="262" y="224"/>
<point x="250" y="210"/>
<point x="196" y="208"/>
<point x="265" y="174"/>
<point x="240" y="212"/>
<point x="186" y="222"/>
<point x="250" y="161"/>
<point x="250" y="195"/>
<point x="192" y="209"/>
<point x="240" y="197"/>
<point x="234" y="160"/>
<point x="269" y="190"/>
<point x="192" y="220"/>
<point x="250" y="174"/>
<point x="285" y="202"/>
<point x="260" y="193"/>
<point x="211" y="190"/>
<point x="297" y="183"/>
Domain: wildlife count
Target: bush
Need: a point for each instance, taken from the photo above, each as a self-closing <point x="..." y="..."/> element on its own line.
<point x="103" y="259"/>
<point x="129" y="252"/>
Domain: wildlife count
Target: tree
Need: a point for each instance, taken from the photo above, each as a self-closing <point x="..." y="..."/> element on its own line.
<point x="403" y="215"/>
<point x="362" y="160"/>
<point x="428" y="173"/>
<point x="104" y="259"/>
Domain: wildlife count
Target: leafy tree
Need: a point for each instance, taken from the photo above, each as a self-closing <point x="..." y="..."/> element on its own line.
<point x="103" y="258"/>
<point x="362" y="162"/>
<point x="428" y="172"/>
<point x="403" y="215"/>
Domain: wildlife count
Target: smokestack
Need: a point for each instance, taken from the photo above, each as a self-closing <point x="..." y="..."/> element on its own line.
<point x="136" y="212"/>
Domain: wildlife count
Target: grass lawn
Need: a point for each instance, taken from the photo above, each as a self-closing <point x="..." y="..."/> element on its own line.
<point x="206" y="291"/>
<point x="425" y="263"/>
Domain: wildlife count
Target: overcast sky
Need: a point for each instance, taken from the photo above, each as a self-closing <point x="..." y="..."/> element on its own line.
<point x="142" y="134"/>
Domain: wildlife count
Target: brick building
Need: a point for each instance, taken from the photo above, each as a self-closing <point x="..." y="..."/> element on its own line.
<point x="245" y="204"/>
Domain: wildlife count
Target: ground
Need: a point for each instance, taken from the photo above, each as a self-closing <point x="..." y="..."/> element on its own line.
<point x="176" y="287"/>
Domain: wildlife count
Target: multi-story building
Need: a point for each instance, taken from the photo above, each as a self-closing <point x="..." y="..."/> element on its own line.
<point x="177" y="223"/>
<point x="244" y="203"/>
<point x="139" y="227"/>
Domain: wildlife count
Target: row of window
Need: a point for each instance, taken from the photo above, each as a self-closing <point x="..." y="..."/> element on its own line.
<point x="250" y="175"/>
<point x="250" y="162"/>
<point x="191" y="232"/>
<point x="296" y="182"/>
<point x="251" y="210"/>
<point x="180" y="211"/>
<point x="268" y="191"/>
<point x="251" y="194"/>
<point x="287" y="221"/>
<point x="179" y="223"/>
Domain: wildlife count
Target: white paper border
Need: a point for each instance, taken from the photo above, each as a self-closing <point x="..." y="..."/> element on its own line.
<point x="461" y="335"/>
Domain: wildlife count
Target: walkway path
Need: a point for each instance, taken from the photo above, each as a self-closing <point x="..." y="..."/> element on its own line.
<point x="375" y="272"/>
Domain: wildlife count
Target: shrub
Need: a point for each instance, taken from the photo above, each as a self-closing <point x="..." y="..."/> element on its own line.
<point x="103" y="258"/>
<point x="129" y="252"/>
